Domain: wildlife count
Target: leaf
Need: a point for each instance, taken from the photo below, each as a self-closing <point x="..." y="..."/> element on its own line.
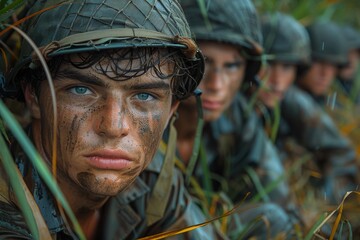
<point x="10" y="168"/>
<point x="338" y="209"/>
<point x="3" y="131"/>
<point x="190" y="228"/>
<point x="28" y="17"/>
<point x="6" y="11"/>
<point x="38" y="164"/>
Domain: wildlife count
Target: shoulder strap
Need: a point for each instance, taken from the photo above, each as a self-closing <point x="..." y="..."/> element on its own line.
<point x="156" y="206"/>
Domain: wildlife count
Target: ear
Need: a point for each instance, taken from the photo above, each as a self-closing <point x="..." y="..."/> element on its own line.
<point x="32" y="101"/>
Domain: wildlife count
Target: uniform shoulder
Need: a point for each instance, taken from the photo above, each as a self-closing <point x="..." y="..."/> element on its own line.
<point x="12" y="223"/>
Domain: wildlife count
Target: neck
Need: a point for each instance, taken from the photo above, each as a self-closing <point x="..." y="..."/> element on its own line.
<point x="86" y="207"/>
<point x="186" y="127"/>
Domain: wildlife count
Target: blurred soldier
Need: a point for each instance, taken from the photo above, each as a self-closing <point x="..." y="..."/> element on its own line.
<point x="347" y="76"/>
<point x="234" y="146"/>
<point x="119" y="70"/>
<point x="344" y="98"/>
<point x="328" y="54"/>
<point x="287" y="49"/>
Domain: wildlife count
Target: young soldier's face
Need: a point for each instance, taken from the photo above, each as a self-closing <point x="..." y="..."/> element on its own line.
<point x="224" y="72"/>
<point x="278" y="79"/>
<point x="319" y="78"/>
<point x="108" y="131"/>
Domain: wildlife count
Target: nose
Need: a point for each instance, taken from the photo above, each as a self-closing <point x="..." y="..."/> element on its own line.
<point x="112" y="120"/>
<point x="214" y="80"/>
<point x="274" y="77"/>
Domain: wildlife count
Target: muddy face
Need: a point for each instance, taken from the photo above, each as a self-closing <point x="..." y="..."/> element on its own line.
<point x="108" y="131"/>
<point x="278" y="79"/>
<point x="224" y="73"/>
<point x="319" y="78"/>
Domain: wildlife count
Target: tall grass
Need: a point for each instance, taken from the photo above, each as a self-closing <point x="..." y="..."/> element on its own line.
<point x="30" y="212"/>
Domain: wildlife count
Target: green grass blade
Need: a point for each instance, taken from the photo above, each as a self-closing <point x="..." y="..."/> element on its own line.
<point x="38" y="164"/>
<point x="9" y="167"/>
<point x="312" y="230"/>
<point x="2" y="130"/>
<point x="6" y="11"/>
<point x="276" y="123"/>
<point x="206" y="174"/>
<point x="203" y="11"/>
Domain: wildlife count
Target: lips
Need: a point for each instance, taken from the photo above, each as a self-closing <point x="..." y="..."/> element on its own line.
<point x="211" y="105"/>
<point x="109" y="159"/>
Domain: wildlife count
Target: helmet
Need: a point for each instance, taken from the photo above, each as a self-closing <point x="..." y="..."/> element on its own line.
<point x="352" y="37"/>
<point x="228" y="21"/>
<point x="327" y="43"/>
<point x="285" y="39"/>
<point x="92" y="25"/>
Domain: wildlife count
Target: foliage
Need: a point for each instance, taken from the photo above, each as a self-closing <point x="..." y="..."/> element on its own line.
<point x="342" y="11"/>
<point x="36" y="224"/>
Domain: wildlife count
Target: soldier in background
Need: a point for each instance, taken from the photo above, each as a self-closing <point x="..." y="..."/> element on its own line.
<point x="287" y="49"/>
<point x="347" y="78"/>
<point x="344" y="97"/>
<point x="235" y="155"/>
<point x="328" y="55"/>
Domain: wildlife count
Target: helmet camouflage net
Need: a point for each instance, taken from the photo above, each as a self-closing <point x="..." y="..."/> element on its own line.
<point x="327" y="43"/>
<point x="285" y="39"/>
<point x="78" y="26"/>
<point x="228" y="21"/>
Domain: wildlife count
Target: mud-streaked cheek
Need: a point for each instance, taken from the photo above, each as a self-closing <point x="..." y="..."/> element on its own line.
<point x="149" y="126"/>
<point x="72" y="131"/>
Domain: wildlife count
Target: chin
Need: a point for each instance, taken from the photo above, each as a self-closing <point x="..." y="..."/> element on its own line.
<point x="211" y="117"/>
<point x="104" y="184"/>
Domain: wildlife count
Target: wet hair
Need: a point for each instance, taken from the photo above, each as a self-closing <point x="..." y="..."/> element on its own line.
<point x="138" y="61"/>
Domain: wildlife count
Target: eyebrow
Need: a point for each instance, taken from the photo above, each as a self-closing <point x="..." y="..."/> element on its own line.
<point x="68" y="73"/>
<point x="75" y="75"/>
<point x="150" y="85"/>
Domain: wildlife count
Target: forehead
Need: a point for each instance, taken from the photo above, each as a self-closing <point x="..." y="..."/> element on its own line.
<point x="220" y="51"/>
<point x="125" y="63"/>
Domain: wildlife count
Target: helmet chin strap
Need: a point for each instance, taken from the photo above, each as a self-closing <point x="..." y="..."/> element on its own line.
<point x="198" y="134"/>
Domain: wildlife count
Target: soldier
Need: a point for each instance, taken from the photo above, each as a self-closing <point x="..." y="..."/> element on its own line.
<point x="286" y="58"/>
<point x="347" y="76"/>
<point x="344" y="95"/>
<point x="233" y="145"/>
<point x="328" y="54"/>
<point x="119" y="70"/>
<point x="287" y="48"/>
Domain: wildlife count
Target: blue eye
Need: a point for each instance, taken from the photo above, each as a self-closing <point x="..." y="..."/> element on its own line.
<point x="234" y="66"/>
<point x="80" y="90"/>
<point x="144" y="96"/>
